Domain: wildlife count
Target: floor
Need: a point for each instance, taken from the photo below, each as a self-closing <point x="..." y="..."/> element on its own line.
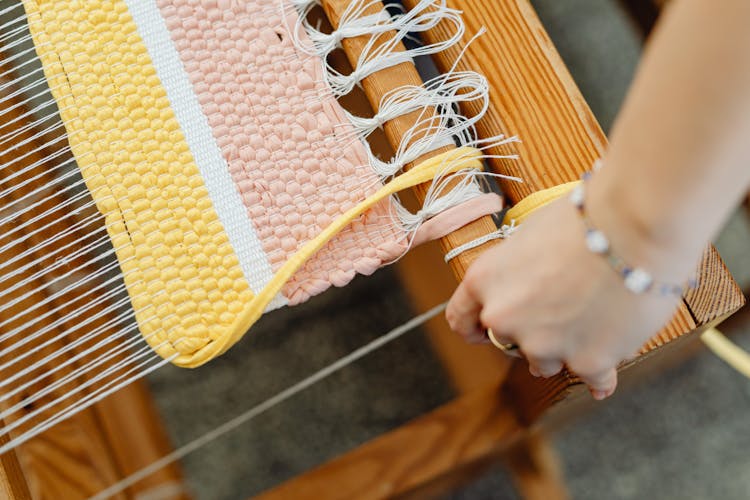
<point x="682" y="435"/>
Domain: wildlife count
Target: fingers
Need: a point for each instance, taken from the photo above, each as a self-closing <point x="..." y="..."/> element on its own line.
<point x="601" y="384"/>
<point x="462" y="314"/>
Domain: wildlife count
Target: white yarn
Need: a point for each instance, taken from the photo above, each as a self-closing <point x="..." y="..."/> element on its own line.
<point x="501" y="233"/>
<point x="440" y="121"/>
<point x="379" y="53"/>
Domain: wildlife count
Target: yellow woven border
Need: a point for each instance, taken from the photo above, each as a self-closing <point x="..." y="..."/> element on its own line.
<point x="182" y="275"/>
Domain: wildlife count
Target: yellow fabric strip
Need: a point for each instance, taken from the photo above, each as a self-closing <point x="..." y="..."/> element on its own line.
<point x="521" y="210"/>
<point x="727" y="351"/>
<point x="182" y="275"/>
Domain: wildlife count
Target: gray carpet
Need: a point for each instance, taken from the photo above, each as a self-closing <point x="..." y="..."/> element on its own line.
<point x="683" y="435"/>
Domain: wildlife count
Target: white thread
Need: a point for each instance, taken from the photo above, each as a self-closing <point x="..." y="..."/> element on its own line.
<point x="79" y="225"/>
<point x="500" y="233"/>
<point x="41" y="190"/>
<point x="86" y="401"/>
<point x="268" y="403"/>
<point x="144" y="351"/>
<point x="67" y="317"/>
<point x="28" y="180"/>
<point x="440" y="121"/>
<point x="378" y="54"/>
<point x="79" y="372"/>
<point x="40" y="363"/>
<point x="106" y="269"/>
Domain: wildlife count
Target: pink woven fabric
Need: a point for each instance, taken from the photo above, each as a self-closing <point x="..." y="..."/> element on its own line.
<point x="276" y="124"/>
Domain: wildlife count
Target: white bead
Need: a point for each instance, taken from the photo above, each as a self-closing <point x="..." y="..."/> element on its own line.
<point x="638" y="280"/>
<point x="596" y="241"/>
<point x="577" y="195"/>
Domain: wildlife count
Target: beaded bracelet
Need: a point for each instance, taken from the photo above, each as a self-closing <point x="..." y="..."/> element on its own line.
<point x="635" y="279"/>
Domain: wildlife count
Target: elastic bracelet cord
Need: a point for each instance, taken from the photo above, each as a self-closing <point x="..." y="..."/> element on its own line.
<point x="636" y="279"/>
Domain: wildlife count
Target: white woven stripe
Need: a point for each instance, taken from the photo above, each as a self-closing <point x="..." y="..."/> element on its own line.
<point x="194" y="124"/>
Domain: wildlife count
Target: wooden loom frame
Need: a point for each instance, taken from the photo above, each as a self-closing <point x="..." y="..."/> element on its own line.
<point x="533" y="96"/>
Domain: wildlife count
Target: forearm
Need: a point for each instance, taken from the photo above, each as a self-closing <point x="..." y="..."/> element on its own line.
<point x="679" y="156"/>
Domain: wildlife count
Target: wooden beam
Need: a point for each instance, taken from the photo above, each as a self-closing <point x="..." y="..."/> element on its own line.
<point x="13" y="484"/>
<point x="382" y="82"/>
<point x="717" y="292"/>
<point x="437" y="451"/>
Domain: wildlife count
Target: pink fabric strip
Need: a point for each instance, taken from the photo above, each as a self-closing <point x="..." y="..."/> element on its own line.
<point x="457" y="217"/>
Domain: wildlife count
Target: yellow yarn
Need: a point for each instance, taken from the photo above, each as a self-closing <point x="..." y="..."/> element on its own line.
<point x="521" y="210"/>
<point x="183" y="278"/>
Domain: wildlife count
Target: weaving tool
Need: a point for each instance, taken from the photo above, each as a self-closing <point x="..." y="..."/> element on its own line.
<point x="390" y="239"/>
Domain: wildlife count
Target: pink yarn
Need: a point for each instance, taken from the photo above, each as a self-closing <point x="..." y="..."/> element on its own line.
<point x="457" y="217"/>
<point x="279" y="128"/>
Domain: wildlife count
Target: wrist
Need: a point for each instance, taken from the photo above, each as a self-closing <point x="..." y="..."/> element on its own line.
<point x="639" y="230"/>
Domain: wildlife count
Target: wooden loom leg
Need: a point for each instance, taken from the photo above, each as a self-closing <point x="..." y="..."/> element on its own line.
<point x="13" y="485"/>
<point x="468" y="366"/>
<point x="532" y="461"/>
<point x="484" y="367"/>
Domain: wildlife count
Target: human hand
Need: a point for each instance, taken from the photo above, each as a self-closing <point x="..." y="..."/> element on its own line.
<point x="562" y="304"/>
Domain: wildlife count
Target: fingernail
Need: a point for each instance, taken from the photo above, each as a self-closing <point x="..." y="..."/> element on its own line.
<point x="534" y="372"/>
<point x="599" y="395"/>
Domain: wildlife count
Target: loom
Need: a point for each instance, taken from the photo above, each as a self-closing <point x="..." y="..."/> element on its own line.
<point x="170" y="170"/>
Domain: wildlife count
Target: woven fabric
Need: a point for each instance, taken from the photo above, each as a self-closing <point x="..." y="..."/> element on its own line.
<point x="215" y="154"/>
<point x="184" y="279"/>
<point x="279" y="129"/>
<point x="162" y="112"/>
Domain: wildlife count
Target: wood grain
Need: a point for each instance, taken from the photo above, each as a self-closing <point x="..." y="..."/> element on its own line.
<point x="717" y="294"/>
<point x="13" y="484"/>
<point x="532" y="95"/>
